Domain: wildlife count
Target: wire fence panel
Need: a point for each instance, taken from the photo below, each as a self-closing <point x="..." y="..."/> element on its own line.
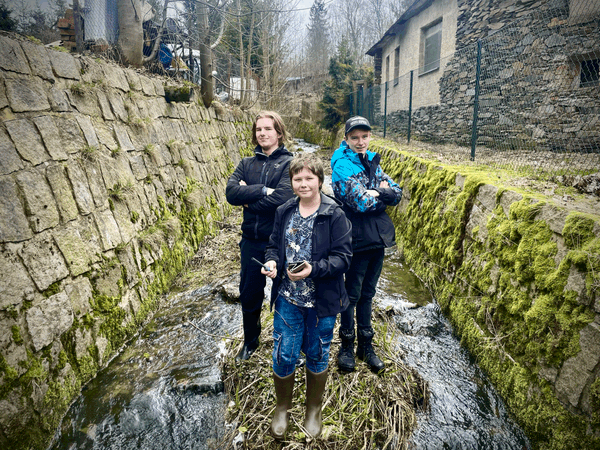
<point x="533" y="101"/>
<point x="100" y="21"/>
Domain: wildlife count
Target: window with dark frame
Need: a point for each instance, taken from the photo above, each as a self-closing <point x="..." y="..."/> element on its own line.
<point x="396" y="65"/>
<point x="387" y="68"/>
<point x="431" y="45"/>
<point x="589" y="73"/>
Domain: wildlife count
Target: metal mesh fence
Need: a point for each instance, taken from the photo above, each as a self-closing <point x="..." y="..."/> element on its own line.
<point x="525" y="96"/>
<point x="100" y="21"/>
<point x="178" y="55"/>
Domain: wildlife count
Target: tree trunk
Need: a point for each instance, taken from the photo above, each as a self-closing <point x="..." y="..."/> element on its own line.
<point x="242" y="71"/>
<point x="131" y="33"/>
<point x="206" y="78"/>
<point x="265" y="37"/>
<point x="249" y="54"/>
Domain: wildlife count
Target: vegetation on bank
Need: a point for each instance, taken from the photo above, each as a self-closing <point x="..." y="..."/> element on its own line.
<point x="360" y="409"/>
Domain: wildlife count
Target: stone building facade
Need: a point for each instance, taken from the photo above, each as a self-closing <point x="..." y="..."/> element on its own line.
<point x="538" y="85"/>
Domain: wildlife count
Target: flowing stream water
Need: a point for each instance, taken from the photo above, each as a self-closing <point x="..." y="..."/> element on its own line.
<point x="164" y="390"/>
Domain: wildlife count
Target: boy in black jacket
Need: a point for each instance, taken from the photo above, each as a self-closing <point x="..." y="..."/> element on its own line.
<point x="260" y="184"/>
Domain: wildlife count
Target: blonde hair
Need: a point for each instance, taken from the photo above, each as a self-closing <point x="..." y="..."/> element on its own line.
<point x="278" y="125"/>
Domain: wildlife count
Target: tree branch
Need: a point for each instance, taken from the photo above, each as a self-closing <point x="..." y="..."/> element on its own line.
<point x="157" y="42"/>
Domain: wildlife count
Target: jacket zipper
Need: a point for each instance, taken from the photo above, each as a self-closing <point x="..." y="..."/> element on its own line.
<point x="262" y="174"/>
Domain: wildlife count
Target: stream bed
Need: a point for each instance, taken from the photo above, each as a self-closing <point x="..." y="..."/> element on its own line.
<point x="165" y="391"/>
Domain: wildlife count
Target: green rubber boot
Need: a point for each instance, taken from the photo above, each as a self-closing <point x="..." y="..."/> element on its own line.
<point x="284" y="390"/>
<point x="315" y="386"/>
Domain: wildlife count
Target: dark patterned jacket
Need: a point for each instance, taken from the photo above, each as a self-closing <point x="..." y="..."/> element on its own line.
<point x="371" y="226"/>
<point x="330" y="254"/>
<point x="260" y="171"/>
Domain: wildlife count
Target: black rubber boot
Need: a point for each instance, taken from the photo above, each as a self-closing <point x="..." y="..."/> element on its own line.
<point x="284" y="391"/>
<point x="345" y="356"/>
<point x="251" y="323"/>
<point x="365" y="351"/>
<point x="315" y="386"/>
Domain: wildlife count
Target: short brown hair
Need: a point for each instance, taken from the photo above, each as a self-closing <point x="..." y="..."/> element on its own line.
<point x="311" y="162"/>
<point x="277" y="124"/>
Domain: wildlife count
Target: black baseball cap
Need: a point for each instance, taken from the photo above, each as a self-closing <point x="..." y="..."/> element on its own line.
<point x="357" y="122"/>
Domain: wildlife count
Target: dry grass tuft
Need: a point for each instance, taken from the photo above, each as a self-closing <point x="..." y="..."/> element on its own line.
<point x="361" y="410"/>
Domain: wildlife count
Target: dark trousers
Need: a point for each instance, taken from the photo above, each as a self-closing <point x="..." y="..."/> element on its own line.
<point x="252" y="282"/>
<point x="361" y="281"/>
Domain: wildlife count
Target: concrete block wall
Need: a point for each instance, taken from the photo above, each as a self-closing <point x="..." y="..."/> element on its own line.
<point x="105" y="190"/>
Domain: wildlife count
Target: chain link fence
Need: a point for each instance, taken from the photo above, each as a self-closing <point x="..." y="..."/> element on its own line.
<point x="100" y="23"/>
<point x="178" y="55"/>
<point x="526" y="96"/>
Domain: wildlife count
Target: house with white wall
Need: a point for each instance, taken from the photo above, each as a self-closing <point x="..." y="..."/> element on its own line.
<point x="536" y="84"/>
<point x="422" y="38"/>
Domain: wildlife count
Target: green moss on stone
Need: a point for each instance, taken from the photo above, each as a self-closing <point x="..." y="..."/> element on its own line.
<point x="16" y="335"/>
<point x="506" y="296"/>
<point x="578" y="230"/>
<point x="9" y="377"/>
<point x="53" y="289"/>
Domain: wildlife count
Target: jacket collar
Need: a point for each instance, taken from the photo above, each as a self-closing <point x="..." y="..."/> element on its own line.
<point x="349" y="153"/>
<point x="328" y="204"/>
<point x="281" y="150"/>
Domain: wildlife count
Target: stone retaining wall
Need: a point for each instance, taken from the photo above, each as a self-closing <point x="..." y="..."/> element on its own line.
<point x="519" y="277"/>
<point x="105" y="192"/>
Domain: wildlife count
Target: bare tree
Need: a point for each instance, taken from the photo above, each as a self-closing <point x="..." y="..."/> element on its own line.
<point x="348" y="16"/>
<point x="382" y="18"/>
<point x="206" y="29"/>
<point x="348" y="21"/>
<point x="397" y="8"/>
<point x="261" y="33"/>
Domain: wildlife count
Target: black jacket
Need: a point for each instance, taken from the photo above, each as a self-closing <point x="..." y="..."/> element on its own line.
<point x="260" y="171"/>
<point x="331" y="253"/>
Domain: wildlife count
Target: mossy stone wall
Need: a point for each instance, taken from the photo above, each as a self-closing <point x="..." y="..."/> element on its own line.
<point x="519" y="278"/>
<point x="106" y="190"/>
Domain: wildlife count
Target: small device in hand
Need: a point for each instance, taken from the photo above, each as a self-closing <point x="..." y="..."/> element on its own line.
<point x="297" y="266"/>
<point x="267" y="268"/>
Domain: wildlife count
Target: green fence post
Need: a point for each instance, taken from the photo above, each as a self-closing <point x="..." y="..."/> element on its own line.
<point x="410" y="105"/>
<point x="476" y="102"/>
<point x="385" y="109"/>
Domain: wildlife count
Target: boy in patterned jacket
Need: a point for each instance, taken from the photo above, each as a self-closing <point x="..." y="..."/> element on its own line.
<point x="365" y="191"/>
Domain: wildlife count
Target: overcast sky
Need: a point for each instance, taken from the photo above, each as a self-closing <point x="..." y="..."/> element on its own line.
<point x="305" y="13"/>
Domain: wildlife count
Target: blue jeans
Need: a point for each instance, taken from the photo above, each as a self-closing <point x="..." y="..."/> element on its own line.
<point x="361" y="283"/>
<point x="295" y="329"/>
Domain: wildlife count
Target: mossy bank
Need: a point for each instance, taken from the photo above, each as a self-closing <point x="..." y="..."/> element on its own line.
<point x="106" y="191"/>
<point x="519" y="278"/>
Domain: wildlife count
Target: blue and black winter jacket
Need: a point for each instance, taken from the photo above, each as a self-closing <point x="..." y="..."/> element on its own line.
<point x="351" y="178"/>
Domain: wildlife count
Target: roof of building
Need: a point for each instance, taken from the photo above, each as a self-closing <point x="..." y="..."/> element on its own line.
<point x="414" y="9"/>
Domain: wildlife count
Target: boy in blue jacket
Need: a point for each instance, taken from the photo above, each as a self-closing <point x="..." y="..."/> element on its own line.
<point x="365" y="191"/>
